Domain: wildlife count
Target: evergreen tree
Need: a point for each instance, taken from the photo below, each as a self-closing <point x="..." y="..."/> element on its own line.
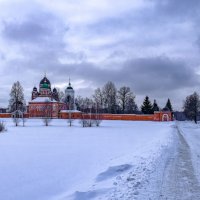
<point x="147" y="107"/>
<point x="169" y="105"/>
<point x="155" y="106"/>
<point x="16" y="101"/>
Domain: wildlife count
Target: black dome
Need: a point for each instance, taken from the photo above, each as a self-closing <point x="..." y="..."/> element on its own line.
<point x="69" y="87"/>
<point x="54" y="90"/>
<point x="45" y="81"/>
<point x="34" y="89"/>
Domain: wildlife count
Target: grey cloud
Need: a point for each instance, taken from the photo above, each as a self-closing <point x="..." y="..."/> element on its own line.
<point x="145" y="75"/>
<point x="159" y="74"/>
<point x="146" y="28"/>
<point x="38" y="28"/>
<point x="159" y="77"/>
<point x="39" y="38"/>
<point x="28" y="31"/>
<point x="181" y="9"/>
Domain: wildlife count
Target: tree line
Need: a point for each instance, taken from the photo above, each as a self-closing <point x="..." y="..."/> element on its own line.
<point x="118" y="101"/>
<point x="109" y="99"/>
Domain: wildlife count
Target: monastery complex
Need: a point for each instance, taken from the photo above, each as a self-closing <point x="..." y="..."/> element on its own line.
<point x="45" y="99"/>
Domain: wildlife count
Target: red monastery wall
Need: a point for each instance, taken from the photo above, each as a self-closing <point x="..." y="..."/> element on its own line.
<point x="157" y="116"/>
<point x="5" y="115"/>
<point x="45" y="103"/>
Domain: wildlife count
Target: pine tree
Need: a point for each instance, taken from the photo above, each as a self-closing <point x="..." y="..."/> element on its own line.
<point x="147" y="107"/>
<point x="155" y="106"/>
<point x="169" y="105"/>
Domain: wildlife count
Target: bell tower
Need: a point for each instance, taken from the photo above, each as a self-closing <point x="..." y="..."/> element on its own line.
<point x="69" y="96"/>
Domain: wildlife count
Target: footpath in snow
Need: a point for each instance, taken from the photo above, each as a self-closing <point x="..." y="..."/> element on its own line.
<point x="180" y="180"/>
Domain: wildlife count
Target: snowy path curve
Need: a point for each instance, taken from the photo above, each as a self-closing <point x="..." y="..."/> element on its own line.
<point x="180" y="181"/>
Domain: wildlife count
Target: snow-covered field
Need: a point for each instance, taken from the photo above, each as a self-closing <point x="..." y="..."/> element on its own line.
<point x="119" y="160"/>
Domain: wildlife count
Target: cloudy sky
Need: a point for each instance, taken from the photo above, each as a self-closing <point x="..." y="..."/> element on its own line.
<point x="153" y="46"/>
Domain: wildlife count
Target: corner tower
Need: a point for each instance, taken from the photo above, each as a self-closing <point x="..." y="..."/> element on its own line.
<point x="34" y="93"/>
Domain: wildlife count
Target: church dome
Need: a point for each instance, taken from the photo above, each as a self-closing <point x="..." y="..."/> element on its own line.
<point x="54" y="90"/>
<point x="45" y="83"/>
<point x="34" y="89"/>
<point x="69" y="87"/>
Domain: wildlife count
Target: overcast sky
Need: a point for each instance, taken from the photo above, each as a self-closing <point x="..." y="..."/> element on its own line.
<point x="153" y="46"/>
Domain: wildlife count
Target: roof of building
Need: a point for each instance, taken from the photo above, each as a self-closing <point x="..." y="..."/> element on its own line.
<point x="43" y="100"/>
<point x="69" y="87"/>
<point x="70" y="111"/>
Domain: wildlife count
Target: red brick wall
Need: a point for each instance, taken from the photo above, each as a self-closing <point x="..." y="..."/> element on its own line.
<point x="5" y="115"/>
<point x="132" y="117"/>
<point x="157" y="116"/>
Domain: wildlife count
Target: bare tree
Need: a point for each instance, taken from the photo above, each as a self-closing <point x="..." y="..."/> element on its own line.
<point x="24" y="119"/>
<point x="98" y="97"/>
<point x="88" y="115"/>
<point x="126" y="100"/>
<point x="109" y="94"/>
<point x="98" y="115"/>
<point x="90" y="120"/>
<point x="192" y="106"/>
<point x="47" y="112"/>
<point x="69" y="101"/>
<point x="16" y="101"/>
<point x="79" y="101"/>
<point x="131" y="106"/>
<point x="84" y="120"/>
<point x="17" y="116"/>
<point x="61" y="95"/>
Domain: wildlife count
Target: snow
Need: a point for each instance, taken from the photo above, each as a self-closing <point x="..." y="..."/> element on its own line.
<point x="43" y="99"/>
<point x="118" y="160"/>
<point x="70" y="111"/>
<point x="191" y="132"/>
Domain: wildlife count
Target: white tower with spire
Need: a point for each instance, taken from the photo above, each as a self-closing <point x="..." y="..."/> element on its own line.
<point x="70" y="96"/>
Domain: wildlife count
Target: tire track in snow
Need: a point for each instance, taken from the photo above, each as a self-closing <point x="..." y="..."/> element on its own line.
<point x="180" y="181"/>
